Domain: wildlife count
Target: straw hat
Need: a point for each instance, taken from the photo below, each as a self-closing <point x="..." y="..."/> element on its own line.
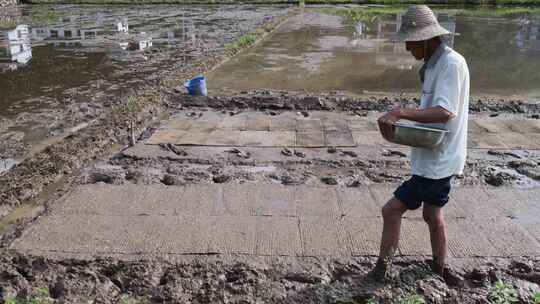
<point x="419" y="23"/>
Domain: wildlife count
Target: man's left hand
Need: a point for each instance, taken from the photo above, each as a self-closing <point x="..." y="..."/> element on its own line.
<point x="386" y="123"/>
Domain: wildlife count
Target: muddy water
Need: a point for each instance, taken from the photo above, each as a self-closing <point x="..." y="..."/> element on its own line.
<point x="57" y="47"/>
<point x="63" y="69"/>
<point x="6" y="164"/>
<point x="321" y="51"/>
<point x="61" y="66"/>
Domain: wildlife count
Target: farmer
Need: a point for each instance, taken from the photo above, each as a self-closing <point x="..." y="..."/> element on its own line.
<point x="444" y="103"/>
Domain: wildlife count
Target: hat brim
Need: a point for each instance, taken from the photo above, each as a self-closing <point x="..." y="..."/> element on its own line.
<point x="423" y="34"/>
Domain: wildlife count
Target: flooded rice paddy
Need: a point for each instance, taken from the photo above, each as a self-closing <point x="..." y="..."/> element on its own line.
<point x="329" y="49"/>
<point x="61" y="66"/>
<point x="57" y="47"/>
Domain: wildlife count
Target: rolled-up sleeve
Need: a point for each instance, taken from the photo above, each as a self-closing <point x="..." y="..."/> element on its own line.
<point x="447" y="88"/>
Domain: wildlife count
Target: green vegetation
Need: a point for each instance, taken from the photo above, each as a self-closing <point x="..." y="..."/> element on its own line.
<point x="412" y="299"/>
<point x="244" y="41"/>
<point x="517" y="2"/>
<point x="371" y="301"/>
<point x="209" y="2"/>
<point x="7" y="23"/>
<point x="536" y="298"/>
<point x="248" y="40"/>
<point x="403" y="2"/>
<point x="397" y="2"/>
<point x="42" y="297"/>
<point x="370" y="14"/>
<point x="501" y="293"/>
<point x="10" y="17"/>
<point x="361" y="14"/>
<point x="432" y="2"/>
<point x="128" y="299"/>
<point x="42" y="15"/>
<point x="130" y="105"/>
<point x="497" y="11"/>
<point x="348" y="300"/>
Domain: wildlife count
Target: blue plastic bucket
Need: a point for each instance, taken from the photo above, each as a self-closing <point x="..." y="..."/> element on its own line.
<point x="196" y="86"/>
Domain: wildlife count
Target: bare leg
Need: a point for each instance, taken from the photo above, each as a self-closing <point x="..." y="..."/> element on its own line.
<point x="392" y="213"/>
<point x="437" y="231"/>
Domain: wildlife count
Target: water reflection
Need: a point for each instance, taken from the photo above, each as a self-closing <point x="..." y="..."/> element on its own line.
<point x="61" y="32"/>
<point x="84" y="58"/>
<point x="71" y="35"/>
<point x="120" y="31"/>
<point x="68" y="49"/>
<point x="15" y="48"/>
<point x="308" y="54"/>
<point x="377" y="37"/>
<point x="528" y="37"/>
<point x="123" y="25"/>
<point x="72" y="45"/>
<point x="360" y="55"/>
<point x="103" y="31"/>
<point x="379" y="42"/>
<point x="6" y="164"/>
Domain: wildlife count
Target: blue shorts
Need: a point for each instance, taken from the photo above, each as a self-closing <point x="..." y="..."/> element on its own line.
<point x="418" y="190"/>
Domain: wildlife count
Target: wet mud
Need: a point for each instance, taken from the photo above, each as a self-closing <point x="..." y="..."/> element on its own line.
<point x="269" y="100"/>
<point x="303" y="166"/>
<point x="237" y="279"/>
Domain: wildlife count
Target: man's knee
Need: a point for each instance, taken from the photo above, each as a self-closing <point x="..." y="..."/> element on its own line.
<point x="434" y="219"/>
<point x="386" y="212"/>
<point x="393" y="209"/>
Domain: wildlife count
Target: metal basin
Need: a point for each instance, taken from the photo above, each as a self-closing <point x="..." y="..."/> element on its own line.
<point x="417" y="135"/>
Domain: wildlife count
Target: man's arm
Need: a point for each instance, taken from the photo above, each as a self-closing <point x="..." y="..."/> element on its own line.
<point x="429" y="115"/>
<point x="444" y="103"/>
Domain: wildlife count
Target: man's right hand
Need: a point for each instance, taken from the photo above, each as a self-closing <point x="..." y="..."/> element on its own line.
<point x="386" y="123"/>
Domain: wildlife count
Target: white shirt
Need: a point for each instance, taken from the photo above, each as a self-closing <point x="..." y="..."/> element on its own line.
<point x="445" y="84"/>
